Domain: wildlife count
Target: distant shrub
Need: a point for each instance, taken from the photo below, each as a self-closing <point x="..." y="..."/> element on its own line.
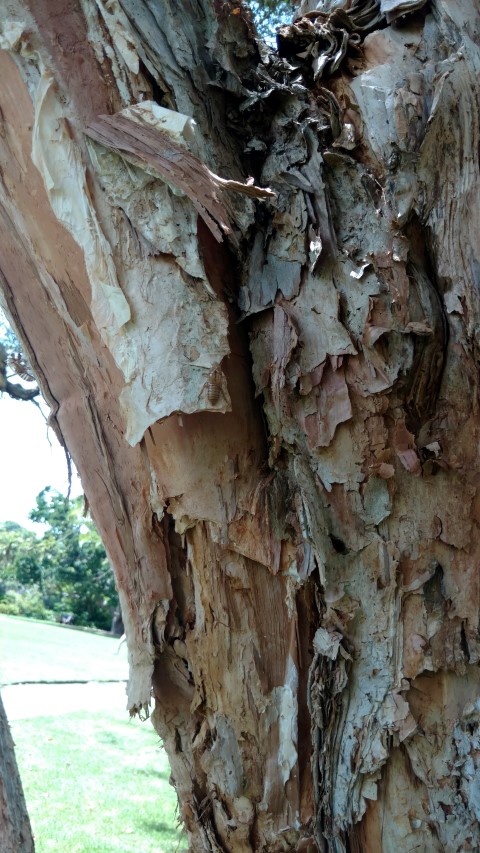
<point x="25" y="601"/>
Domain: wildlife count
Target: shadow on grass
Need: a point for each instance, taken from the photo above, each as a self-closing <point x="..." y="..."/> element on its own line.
<point x="152" y="773"/>
<point x="111" y="739"/>
<point x="164" y="829"/>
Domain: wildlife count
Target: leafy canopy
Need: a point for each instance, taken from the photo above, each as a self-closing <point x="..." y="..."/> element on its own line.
<point x="270" y="14"/>
<point x="66" y="571"/>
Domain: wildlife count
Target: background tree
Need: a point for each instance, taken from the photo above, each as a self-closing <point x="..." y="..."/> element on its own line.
<point x="268" y="15"/>
<point x="76" y="575"/>
<point x="13" y="364"/>
<point x="65" y="571"/>
<point x="18" y="560"/>
<point x="20" y="573"/>
<point x="258" y="337"/>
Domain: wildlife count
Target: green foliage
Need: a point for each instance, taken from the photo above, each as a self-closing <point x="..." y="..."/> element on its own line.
<point x="25" y="601"/>
<point x="64" y="571"/>
<point x="270" y="14"/>
<point x="18" y="555"/>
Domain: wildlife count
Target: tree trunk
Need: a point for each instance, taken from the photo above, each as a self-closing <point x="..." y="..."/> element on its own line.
<point x="247" y="283"/>
<point x="15" y="830"/>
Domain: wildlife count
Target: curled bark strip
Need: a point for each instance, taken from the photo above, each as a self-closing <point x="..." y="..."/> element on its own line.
<point x="156" y="150"/>
<point x="322" y="39"/>
<point x="394" y="9"/>
<point x="246" y="189"/>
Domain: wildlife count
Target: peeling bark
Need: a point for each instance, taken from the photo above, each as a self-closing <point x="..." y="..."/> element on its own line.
<point x="15" y="830"/>
<point x="247" y="283"/>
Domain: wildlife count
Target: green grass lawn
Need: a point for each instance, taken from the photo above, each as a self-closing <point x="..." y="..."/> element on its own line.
<point x="39" y="651"/>
<point x="94" y="782"/>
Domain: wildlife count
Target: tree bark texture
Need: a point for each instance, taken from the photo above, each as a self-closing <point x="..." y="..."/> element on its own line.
<point x="247" y="282"/>
<point x="15" y="830"/>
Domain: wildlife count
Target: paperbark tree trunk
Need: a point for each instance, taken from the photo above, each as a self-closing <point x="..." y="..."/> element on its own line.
<point x="15" y="830"/>
<point x="247" y="283"/>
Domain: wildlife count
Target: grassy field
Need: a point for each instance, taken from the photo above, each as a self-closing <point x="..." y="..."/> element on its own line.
<point x="38" y="651"/>
<point x="95" y="782"/>
<point x="96" y="785"/>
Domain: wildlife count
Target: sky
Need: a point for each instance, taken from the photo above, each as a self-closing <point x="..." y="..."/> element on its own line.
<point x="31" y="459"/>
